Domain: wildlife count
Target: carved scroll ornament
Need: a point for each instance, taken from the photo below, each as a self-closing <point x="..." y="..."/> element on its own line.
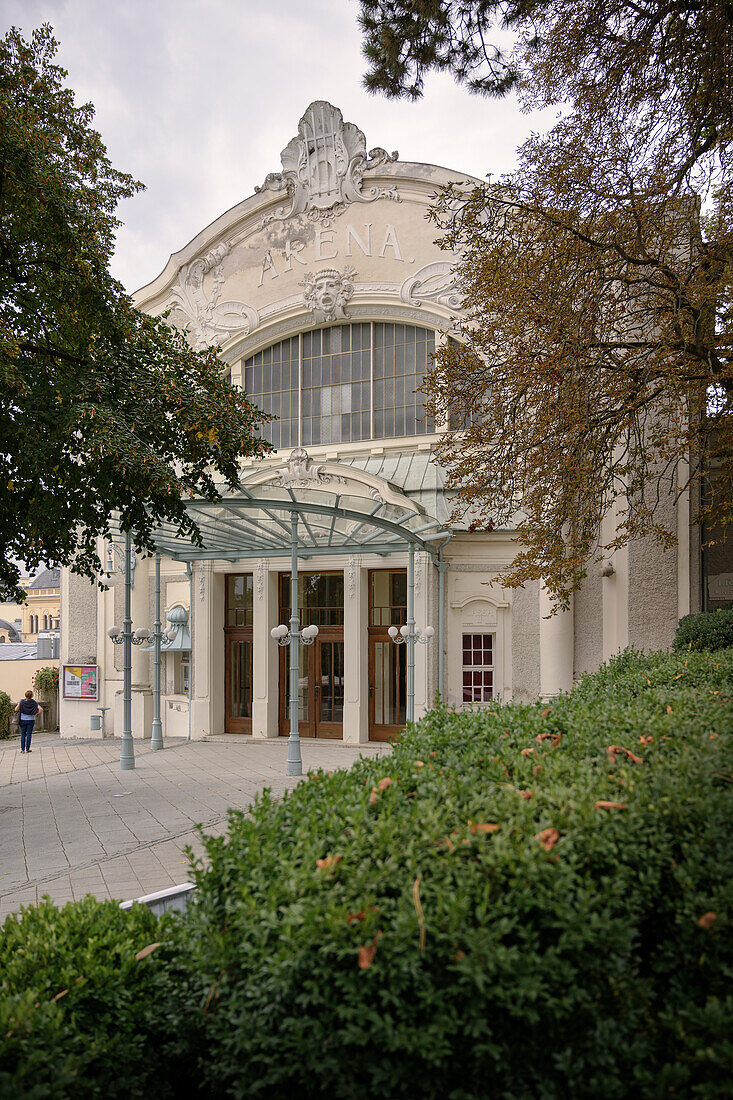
<point x="303" y="473"/>
<point x="432" y="283"/>
<point x="324" y="166"/>
<point x="209" y="320"/>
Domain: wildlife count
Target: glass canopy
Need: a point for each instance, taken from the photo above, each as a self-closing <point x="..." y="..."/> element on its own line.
<point x="340" y="509"/>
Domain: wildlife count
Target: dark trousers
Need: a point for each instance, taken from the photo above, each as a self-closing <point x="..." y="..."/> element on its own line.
<point x="26" y="729"/>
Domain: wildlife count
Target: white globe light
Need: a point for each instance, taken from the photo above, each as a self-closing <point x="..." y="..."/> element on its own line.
<point x="404" y="630"/>
<point x="114" y="632"/>
<point x="393" y="632"/>
<point x="429" y="632"/>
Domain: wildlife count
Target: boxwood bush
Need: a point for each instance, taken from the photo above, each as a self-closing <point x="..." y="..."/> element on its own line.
<point x="708" y="630"/>
<point x="527" y="902"/>
<point x="530" y="901"/>
<point x="80" y="1014"/>
<point x="6" y="713"/>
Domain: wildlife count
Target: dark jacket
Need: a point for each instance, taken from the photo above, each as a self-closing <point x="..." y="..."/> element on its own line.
<point x="29" y="708"/>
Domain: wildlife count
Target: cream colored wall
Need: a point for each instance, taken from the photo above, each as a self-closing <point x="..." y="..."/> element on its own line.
<point x="16" y="677"/>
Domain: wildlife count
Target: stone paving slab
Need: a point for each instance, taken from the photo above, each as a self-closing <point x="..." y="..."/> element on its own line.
<point x="72" y="823"/>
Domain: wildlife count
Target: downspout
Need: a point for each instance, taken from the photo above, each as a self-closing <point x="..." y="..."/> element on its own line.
<point x="189" y="570"/>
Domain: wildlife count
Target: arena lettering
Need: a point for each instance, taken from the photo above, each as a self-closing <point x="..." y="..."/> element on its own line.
<point x="327" y="245"/>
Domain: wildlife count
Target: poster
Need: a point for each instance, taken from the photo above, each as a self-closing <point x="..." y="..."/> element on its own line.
<point x="80" y="682"/>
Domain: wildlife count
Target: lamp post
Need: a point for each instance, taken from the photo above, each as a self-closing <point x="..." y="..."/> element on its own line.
<point x="408" y="635"/>
<point x="127" y="640"/>
<point x="294" y="637"/>
<point x="156" y="735"/>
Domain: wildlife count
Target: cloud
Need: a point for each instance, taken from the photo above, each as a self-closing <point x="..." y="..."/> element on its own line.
<point x="196" y="98"/>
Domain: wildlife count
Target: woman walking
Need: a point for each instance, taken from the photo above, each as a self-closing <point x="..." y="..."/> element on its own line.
<point x="29" y="711"/>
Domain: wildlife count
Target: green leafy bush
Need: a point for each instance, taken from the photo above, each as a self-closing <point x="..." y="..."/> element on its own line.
<point x="709" y="630"/>
<point x="46" y="679"/>
<point x="6" y="713"/>
<point x="466" y="919"/>
<point x="78" y="1012"/>
<point x="525" y="902"/>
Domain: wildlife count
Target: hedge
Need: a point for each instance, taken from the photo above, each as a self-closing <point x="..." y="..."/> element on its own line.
<point x="6" y="713"/>
<point x="78" y="1009"/>
<point x="708" y="630"/>
<point x="526" y="902"/>
<point x="503" y="908"/>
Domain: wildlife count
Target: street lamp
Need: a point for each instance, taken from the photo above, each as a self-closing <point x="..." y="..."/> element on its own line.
<point x="127" y="640"/>
<point x="294" y="637"/>
<point x="408" y="635"/>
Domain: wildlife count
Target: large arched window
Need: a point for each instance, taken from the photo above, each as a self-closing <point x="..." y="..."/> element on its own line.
<point x="343" y="383"/>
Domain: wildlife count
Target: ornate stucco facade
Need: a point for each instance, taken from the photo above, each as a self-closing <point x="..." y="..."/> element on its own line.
<point x="326" y="295"/>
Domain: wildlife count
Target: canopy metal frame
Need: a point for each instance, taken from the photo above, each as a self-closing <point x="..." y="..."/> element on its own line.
<point x="303" y="511"/>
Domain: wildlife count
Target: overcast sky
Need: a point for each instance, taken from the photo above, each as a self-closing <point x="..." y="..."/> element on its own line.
<point x="196" y="98"/>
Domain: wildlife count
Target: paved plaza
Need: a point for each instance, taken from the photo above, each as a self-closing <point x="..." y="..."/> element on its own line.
<point x="72" y="823"/>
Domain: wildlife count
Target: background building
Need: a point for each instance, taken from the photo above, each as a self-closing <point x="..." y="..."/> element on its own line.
<point x="327" y="296"/>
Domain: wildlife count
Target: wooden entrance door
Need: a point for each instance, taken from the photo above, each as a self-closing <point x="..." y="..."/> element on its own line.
<point x="238" y="648"/>
<point x="320" y="687"/>
<point x="387" y="661"/>
<point x="238" y="681"/>
<point x="387" y="686"/>
<point x="321" y="665"/>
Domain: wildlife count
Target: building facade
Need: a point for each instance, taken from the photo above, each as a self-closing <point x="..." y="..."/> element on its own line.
<point x="327" y="296"/>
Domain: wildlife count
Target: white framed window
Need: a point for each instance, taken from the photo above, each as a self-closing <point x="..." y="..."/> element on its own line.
<point x="343" y="383"/>
<point x="478" y="668"/>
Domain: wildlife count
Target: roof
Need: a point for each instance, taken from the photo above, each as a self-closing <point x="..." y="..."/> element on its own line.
<point x="418" y="475"/>
<point x="5" y="624"/>
<point x="19" y="651"/>
<point x="49" y="578"/>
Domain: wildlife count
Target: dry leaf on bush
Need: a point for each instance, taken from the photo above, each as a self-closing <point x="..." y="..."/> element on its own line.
<point x="527" y="752"/>
<point x="548" y="838"/>
<point x="367" y="951"/>
<point x="601" y="804"/>
<point x="329" y="863"/>
<point x="146" y="951"/>
<point x="546" y="711"/>
<point x="526" y="794"/>
<point x="487" y="827"/>
<point x="554" y="738"/>
<point x="384" y="783"/>
<point x="707" y="920"/>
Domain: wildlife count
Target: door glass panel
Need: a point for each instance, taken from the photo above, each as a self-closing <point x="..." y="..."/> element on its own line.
<point x="240" y="679"/>
<point x="239" y="600"/>
<point x="332" y="682"/>
<point x="302" y="686"/>
<point x="388" y="597"/>
<point x="320" y="599"/>
<point x="390" y="684"/>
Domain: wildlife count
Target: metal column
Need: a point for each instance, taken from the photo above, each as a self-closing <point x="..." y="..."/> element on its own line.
<point x="411" y="634"/>
<point x="127" y="751"/>
<point x="156" y="736"/>
<point x="295" y="763"/>
<point x="442" y="566"/>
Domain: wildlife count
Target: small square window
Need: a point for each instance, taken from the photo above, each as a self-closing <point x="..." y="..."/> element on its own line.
<point x="478" y="668"/>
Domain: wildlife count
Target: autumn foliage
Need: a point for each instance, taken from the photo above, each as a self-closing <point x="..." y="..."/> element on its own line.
<point x="591" y="382"/>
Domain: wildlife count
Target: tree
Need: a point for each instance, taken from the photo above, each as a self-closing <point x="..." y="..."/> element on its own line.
<point x="593" y="370"/>
<point x="102" y="408"/>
